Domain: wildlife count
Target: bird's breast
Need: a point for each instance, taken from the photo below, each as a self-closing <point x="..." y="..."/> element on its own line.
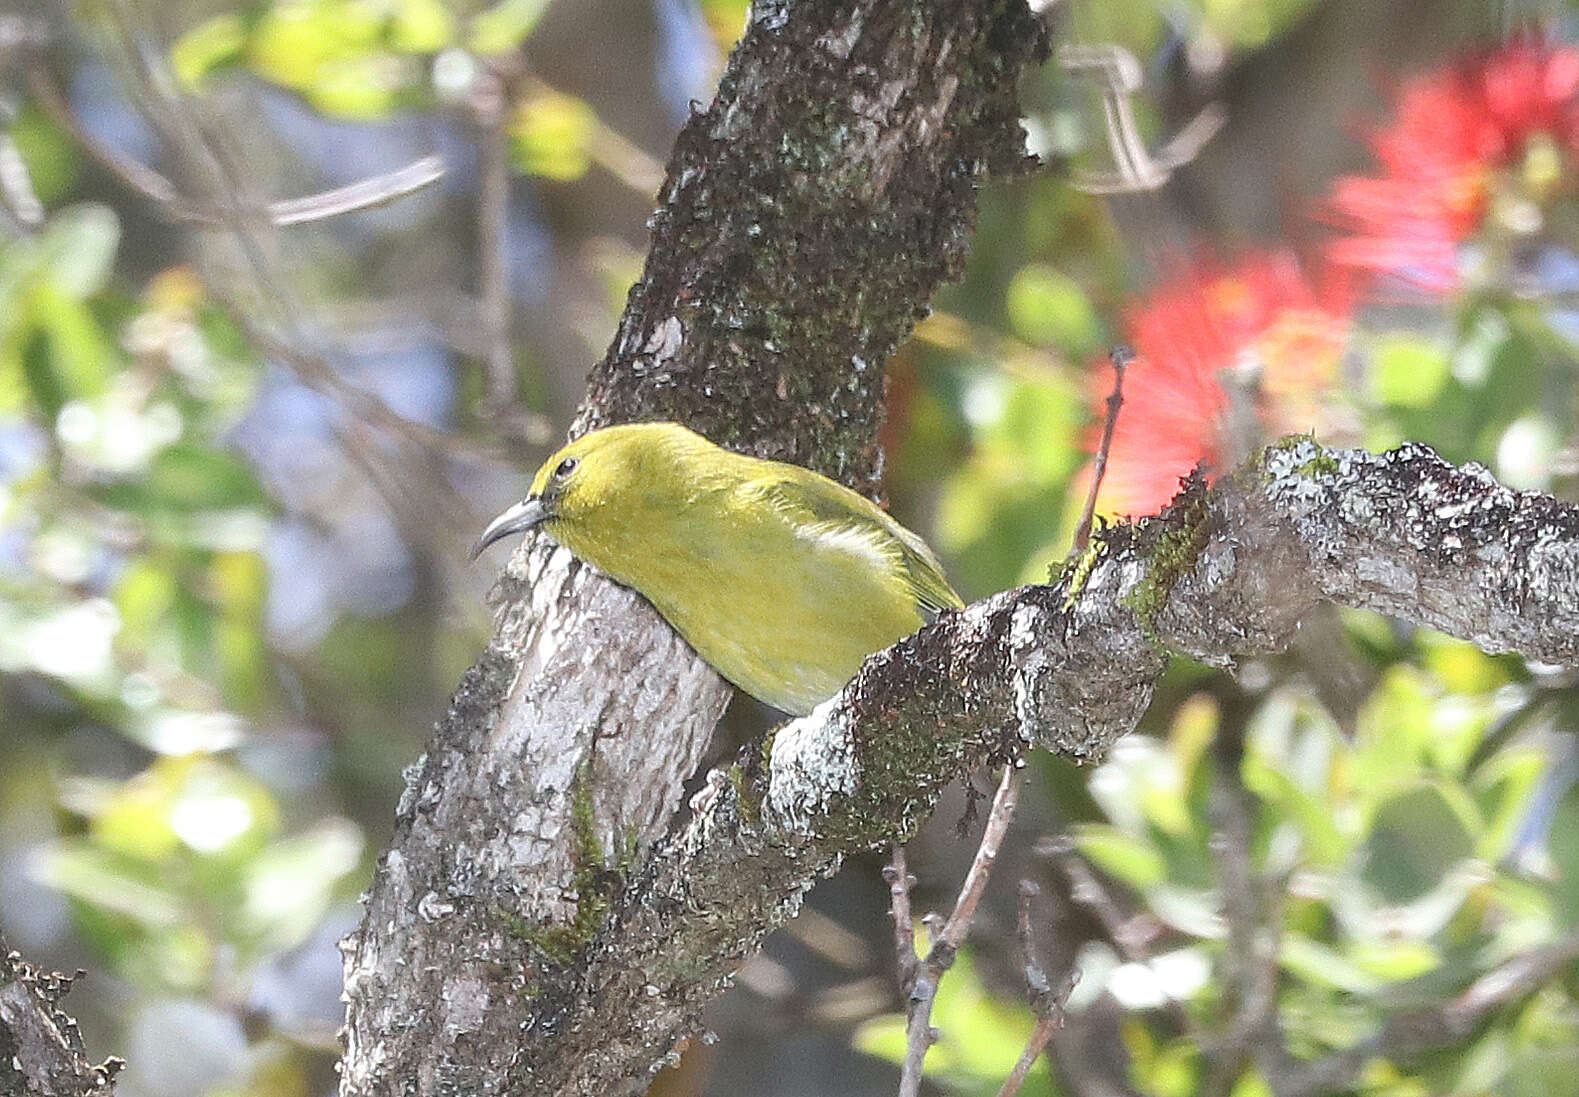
<point x="785" y="611"/>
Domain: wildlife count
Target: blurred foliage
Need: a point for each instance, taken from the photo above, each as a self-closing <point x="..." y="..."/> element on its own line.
<point x="183" y="865"/>
<point x="551" y="135"/>
<point x="219" y="641"/>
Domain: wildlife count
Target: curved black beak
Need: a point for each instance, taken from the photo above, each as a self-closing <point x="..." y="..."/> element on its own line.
<point x="525" y="515"/>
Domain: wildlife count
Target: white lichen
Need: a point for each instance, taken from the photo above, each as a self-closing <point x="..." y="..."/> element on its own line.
<point x="813" y="761"/>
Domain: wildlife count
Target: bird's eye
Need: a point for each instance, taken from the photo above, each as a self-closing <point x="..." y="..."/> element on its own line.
<point x="566" y="467"/>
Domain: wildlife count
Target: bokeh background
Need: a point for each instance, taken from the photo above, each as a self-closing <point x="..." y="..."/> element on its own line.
<point x="241" y="462"/>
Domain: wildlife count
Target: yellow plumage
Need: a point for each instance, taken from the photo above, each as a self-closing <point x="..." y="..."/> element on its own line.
<point x="780" y="578"/>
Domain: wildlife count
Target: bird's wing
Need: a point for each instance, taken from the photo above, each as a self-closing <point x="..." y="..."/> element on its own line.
<point x="814" y="500"/>
<point x="925" y="573"/>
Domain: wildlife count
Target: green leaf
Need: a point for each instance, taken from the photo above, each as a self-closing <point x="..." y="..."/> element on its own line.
<point x="182" y="480"/>
<point x="421" y="26"/>
<point x="192" y="802"/>
<point x="1408" y="371"/>
<point x="1324" y="842"/>
<point x="290" y="884"/>
<point x="1416" y="837"/>
<point x="189" y="477"/>
<point x="143" y="597"/>
<point x="1247" y="26"/>
<point x="1251" y="1084"/>
<point x="1190" y="910"/>
<point x="78" y="248"/>
<point x="1173" y="1070"/>
<point x="1462" y="667"/>
<point x="51" y="158"/>
<point x="1049" y="308"/>
<point x="1131" y="859"/>
<point x="551" y="136"/>
<point x="335" y="54"/>
<point x="237" y="584"/>
<point x="293" y="42"/>
<point x="1563" y="844"/>
<point x="113" y="883"/>
<point x="80" y="353"/>
<point x="1319" y="963"/>
<point x="48" y="394"/>
<point x="996" y="513"/>
<point x="503" y="27"/>
<point x="210" y="45"/>
<point x="1395" y="960"/>
<point x="364" y="88"/>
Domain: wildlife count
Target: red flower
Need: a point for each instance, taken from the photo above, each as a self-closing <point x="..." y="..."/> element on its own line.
<point x="1501" y="124"/>
<point x="1226" y="356"/>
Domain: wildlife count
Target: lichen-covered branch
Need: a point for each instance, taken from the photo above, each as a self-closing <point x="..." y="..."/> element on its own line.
<point x="41" y="1052"/>
<point x="808" y="215"/>
<point x="1225" y="573"/>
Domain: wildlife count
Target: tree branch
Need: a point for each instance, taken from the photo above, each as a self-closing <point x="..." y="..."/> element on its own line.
<point x="41" y="1051"/>
<point x="808" y="215"/>
<point x="1047" y="999"/>
<point x="948" y="937"/>
<point x="1225" y="573"/>
<point x="170" y="203"/>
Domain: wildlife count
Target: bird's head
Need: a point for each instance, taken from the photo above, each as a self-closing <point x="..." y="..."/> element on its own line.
<point x="592" y="474"/>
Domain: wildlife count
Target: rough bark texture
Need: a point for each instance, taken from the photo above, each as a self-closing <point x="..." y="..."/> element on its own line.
<point x="807" y="218"/>
<point x="1225" y="573"/>
<point x="41" y="1051"/>
<point x="809" y="214"/>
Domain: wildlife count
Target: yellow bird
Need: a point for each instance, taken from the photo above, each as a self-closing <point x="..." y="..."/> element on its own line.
<point x="780" y="578"/>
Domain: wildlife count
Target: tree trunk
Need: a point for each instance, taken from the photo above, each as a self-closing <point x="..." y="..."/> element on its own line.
<point x="808" y="216"/>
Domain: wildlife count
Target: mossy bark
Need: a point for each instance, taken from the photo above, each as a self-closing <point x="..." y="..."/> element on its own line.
<point x="1071" y="671"/>
<point x="808" y="216"/>
<point x="809" y="213"/>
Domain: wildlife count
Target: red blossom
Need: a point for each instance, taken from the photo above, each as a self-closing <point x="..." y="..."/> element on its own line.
<point x="1505" y="118"/>
<point x="1226" y="356"/>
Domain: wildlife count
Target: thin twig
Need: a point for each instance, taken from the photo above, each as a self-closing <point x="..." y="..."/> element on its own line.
<point x="173" y="206"/>
<point x="897" y="874"/>
<point x="1119" y="77"/>
<point x="1035" y="974"/>
<point x="1120" y="356"/>
<point x="947" y="938"/>
<point x="1047" y="1000"/>
<point x="316" y="373"/>
<point x="132" y="174"/>
<point x="1004" y="802"/>
<point x="625" y="160"/>
<point x="1043" y="1032"/>
<point x="364" y="194"/>
<point x="1250" y="973"/>
<point x="1133" y="933"/>
<point x="171" y="115"/>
